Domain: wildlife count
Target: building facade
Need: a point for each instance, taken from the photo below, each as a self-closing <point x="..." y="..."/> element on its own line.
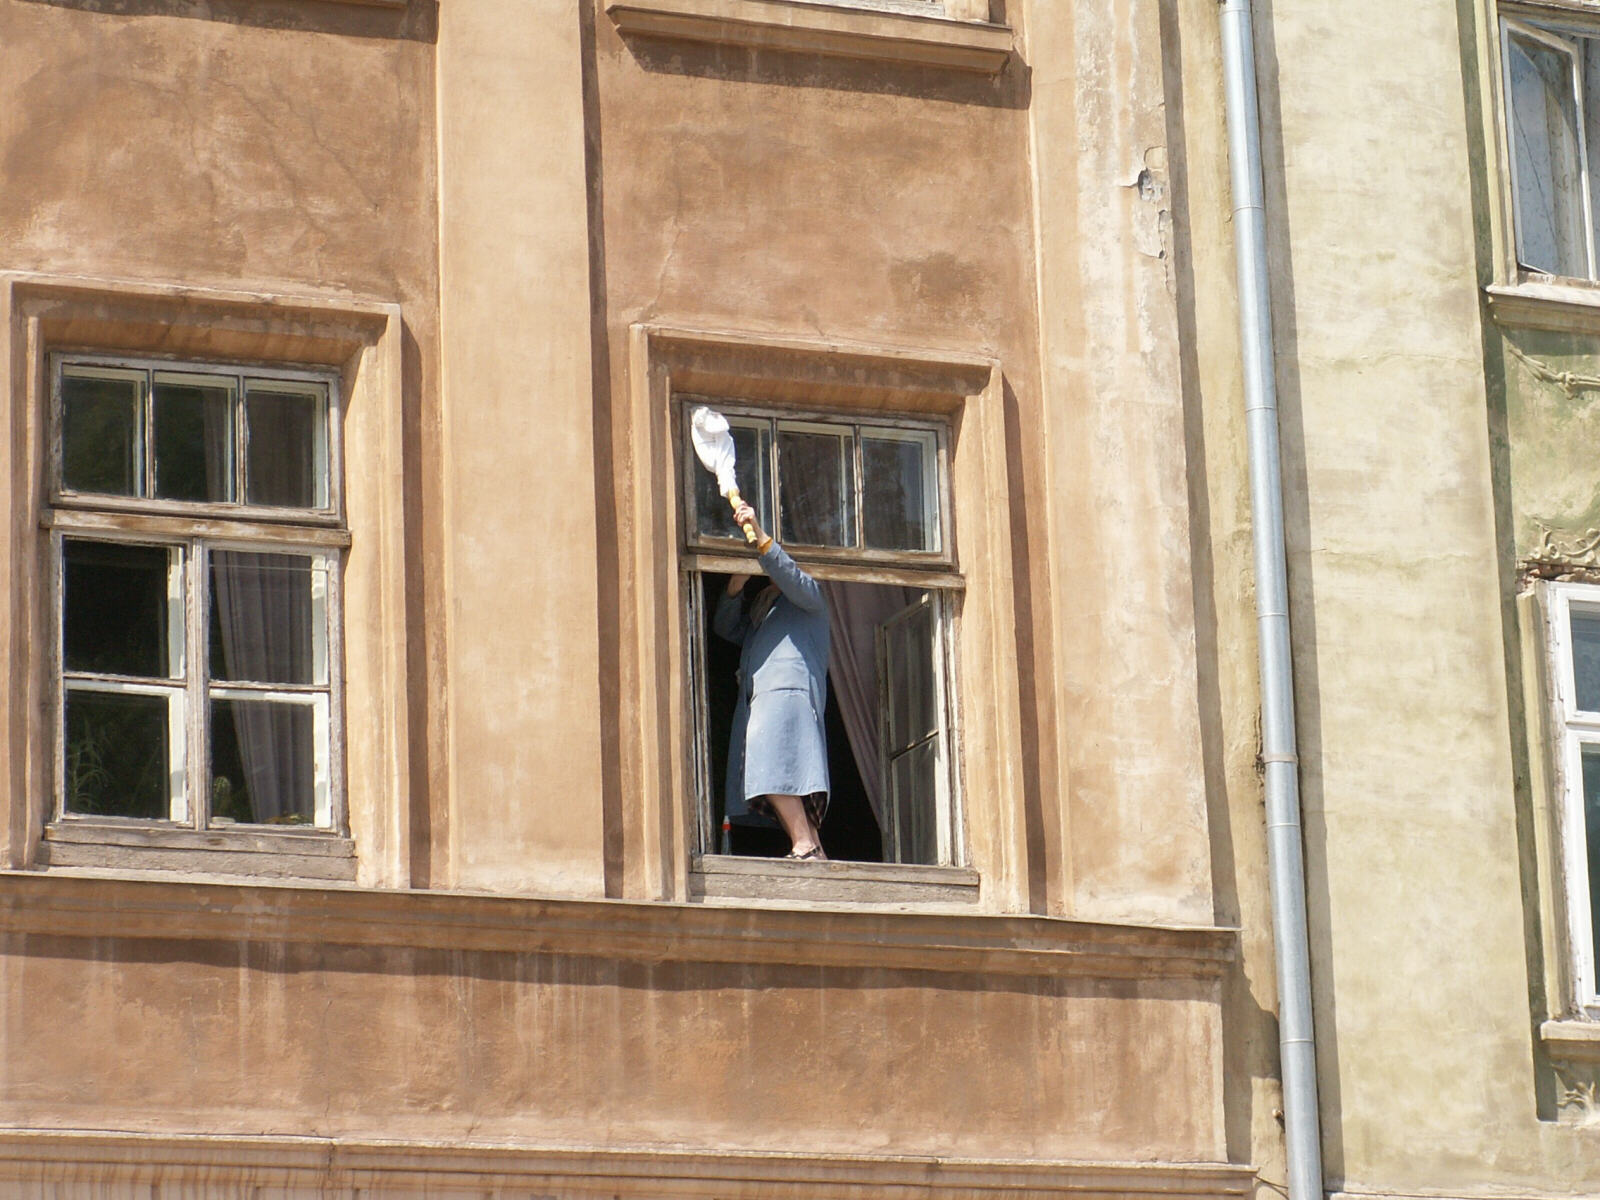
<point x="367" y="726"/>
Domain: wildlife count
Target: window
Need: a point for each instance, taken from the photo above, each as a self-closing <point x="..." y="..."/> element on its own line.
<point x="1552" y="81"/>
<point x="1575" y="638"/>
<point x="195" y="536"/>
<point x="862" y="505"/>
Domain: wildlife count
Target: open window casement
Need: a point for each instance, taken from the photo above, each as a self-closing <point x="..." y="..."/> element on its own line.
<point x="913" y="742"/>
<point x="1550" y="125"/>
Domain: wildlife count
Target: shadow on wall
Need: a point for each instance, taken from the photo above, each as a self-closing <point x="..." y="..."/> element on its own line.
<point x="410" y="20"/>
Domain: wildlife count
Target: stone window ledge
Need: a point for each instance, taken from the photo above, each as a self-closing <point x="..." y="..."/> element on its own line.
<point x="303" y="854"/>
<point x="807" y="28"/>
<point x="1571" y="1040"/>
<point x="718" y="877"/>
<point x="1558" y="307"/>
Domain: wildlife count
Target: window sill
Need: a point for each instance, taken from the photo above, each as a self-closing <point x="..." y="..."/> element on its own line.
<point x="809" y="28"/>
<point x="258" y="853"/>
<point x="1567" y="307"/>
<point x="721" y="877"/>
<point x="1571" y="1041"/>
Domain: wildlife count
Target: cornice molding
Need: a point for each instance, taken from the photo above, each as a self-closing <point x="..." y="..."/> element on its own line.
<point x="95" y="906"/>
<point x="340" y="1167"/>
<point x="807" y="28"/>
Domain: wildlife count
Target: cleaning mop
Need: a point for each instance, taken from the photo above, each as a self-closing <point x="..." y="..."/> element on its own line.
<point x="713" y="445"/>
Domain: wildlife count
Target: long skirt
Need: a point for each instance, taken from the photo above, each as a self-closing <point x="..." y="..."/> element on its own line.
<point x="786" y="751"/>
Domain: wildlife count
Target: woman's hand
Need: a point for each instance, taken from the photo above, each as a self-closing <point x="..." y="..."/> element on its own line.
<point x="744" y="516"/>
<point x="736" y="584"/>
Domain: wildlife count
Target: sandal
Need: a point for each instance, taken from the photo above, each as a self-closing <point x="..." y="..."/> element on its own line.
<point x="814" y="854"/>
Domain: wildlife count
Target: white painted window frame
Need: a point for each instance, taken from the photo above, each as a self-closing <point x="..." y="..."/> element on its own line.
<point x="191" y="531"/>
<point x="928" y="570"/>
<point x="1565" y="41"/>
<point x="1574" y="728"/>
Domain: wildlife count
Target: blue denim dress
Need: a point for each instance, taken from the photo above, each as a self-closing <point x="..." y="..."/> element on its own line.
<point x="778" y="744"/>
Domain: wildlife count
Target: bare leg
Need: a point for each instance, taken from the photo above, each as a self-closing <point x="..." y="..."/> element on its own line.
<point x="791" y="812"/>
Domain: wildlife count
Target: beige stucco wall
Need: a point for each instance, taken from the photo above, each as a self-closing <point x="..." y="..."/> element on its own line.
<point x="528" y="188"/>
<point x="1419" y="896"/>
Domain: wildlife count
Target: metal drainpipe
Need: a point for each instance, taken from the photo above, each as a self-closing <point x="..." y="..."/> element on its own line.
<point x="1285" y="864"/>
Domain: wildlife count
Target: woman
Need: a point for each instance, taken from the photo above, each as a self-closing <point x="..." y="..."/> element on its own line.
<point x="778" y="751"/>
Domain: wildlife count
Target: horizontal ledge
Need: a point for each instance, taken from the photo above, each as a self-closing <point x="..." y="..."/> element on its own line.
<point x="864" y="872"/>
<point x="1571" y="1041"/>
<point x="808" y="28"/>
<point x="96" y="289"/>
<point x="100" y="906"/>
<point x="242" y="839"/>
<point x="1559" y="308"/>
<point x="631" y="1172"/>
<point x="167" y="522"/>
<point x="724" y="877"/>
<point x="865" y="572"/>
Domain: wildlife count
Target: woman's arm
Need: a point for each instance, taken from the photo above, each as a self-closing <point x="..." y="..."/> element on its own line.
<point x="798" y="588"/>
<point x="729" y="622"/>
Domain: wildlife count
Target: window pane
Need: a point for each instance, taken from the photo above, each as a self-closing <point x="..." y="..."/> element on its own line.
<point x="914" y="784"/>
<point x="118" y="617"/>
<point x="752" y="445"/>
<point x="912" y="691"/>
<point x="1544" y="144"/>
<point x="816" y="484"/>
<point x="286" y="456"/>
<point x="1591" y="825"/>
<point x="263" y="762"/>
<point x="117" y="755"/>
<point x="264" y="617"/>
<point x="1586" y="659"/>
<point x="101" y="449"/>
<point x="897" y="494"/>
<point x="193" y="439"/>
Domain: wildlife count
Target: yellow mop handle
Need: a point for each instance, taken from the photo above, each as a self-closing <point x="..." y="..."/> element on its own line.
<point x="733" y="502"/>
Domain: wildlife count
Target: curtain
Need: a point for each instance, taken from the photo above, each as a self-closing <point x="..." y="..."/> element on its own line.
<point x="855" y="610"/>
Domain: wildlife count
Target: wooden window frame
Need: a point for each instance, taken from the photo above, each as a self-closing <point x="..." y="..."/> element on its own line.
<point x="1572" y="728"/>
<point x="931" y="571"/>
<point x="1567" y="42"/>
<point x="194" y="529"/>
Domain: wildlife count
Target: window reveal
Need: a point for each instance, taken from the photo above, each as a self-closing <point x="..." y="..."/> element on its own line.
<point x="197" y="682"/>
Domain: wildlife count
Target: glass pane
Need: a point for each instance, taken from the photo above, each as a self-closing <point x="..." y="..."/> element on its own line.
<point x="193" y="435"/>
<point x="752" y="446"/>
<point x="912" y="692"/>
<point x="117" y="755"/>
<point x="1586" y="659"/>
<point x="264" y="616"/>
<point x="914" y="784"/>
<point x="286" y="456"/>
<point x="897" y="495"/>
<point x="101" y="449"/>
<point x="1591" y="825"/>
<point x="117" y="617"/>
<point x="1544" y="143"/>
<point x="263" y="762"/>
<point x="816" y="487"/>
